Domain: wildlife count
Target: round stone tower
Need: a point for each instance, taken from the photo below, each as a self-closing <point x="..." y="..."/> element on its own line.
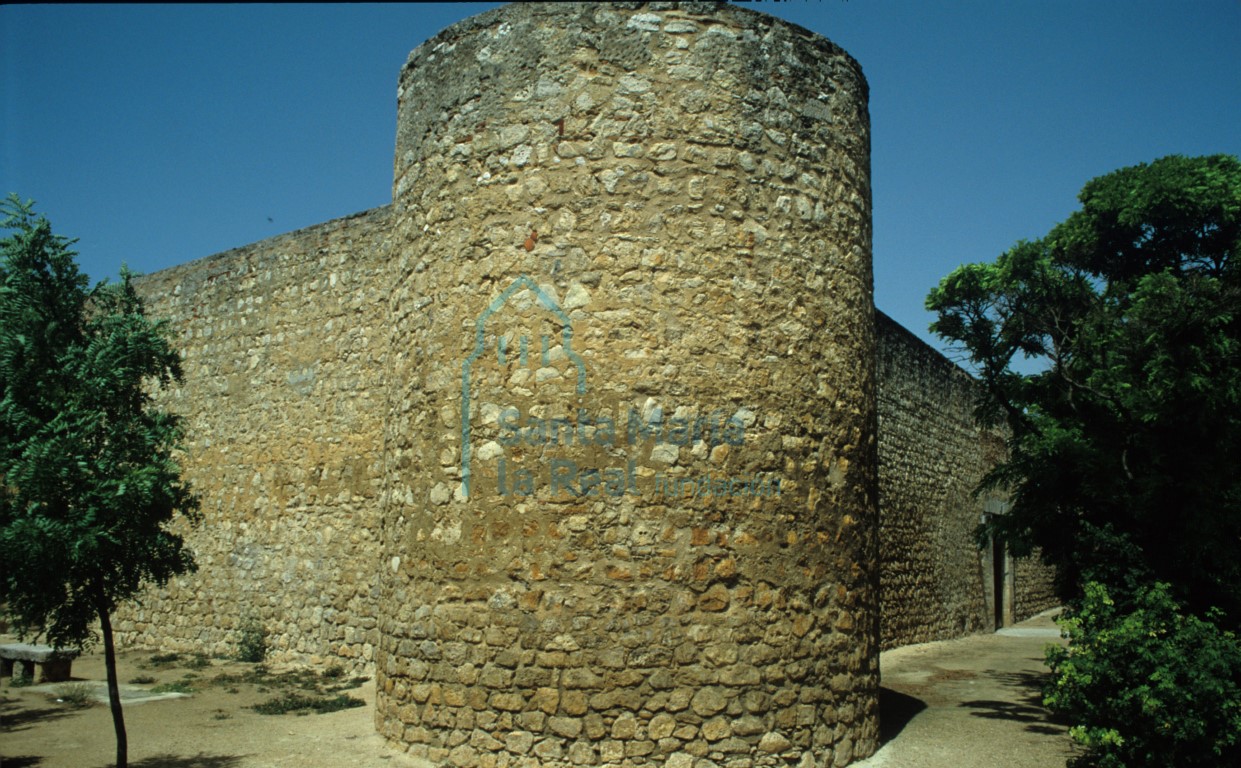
<point x="629" y="508"/>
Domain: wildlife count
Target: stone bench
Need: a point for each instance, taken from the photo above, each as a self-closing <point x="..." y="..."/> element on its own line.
<point x="55" y="663"/>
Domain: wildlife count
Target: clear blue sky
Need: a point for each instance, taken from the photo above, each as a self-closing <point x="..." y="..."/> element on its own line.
<point x="158" y="135"/>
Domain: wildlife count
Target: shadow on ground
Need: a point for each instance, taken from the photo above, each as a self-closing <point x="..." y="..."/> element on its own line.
<point x="896" y="709"/>
<point x="24" y="761"/>
<point x="15" y="717"/>
<point x="197" y="761"/>
<point x="179" y="761"/>
<point x="1028" y="705"/>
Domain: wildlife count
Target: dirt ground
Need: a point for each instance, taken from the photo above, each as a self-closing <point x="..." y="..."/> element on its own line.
<point x="974" y="702"/>
<point x="213" y="727"/>
<point x="967" y="703"/>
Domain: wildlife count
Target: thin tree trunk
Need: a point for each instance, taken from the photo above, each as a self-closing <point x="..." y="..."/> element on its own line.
<point x="114" y="689"/>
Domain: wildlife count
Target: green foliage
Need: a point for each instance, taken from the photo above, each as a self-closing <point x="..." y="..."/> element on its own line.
<point x="1123" y="441"/>
<point x="198" y="661"/>
<point x="90" y="481"/>
<point x="302" y="704"/>
<point x="176" y="686"/>
<point x="253" y="644"/>
<point x="75" y="695"/>
<point x="21" y="681"/>
<point x="1123" y="436"/>
<point x="142" y="680"/>
<point x="1148" y="686"/>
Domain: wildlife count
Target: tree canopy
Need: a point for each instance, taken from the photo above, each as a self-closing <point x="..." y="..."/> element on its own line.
<point x="1125" y="440"/>
<point x="1123" y="446"/>
<point x="89" y="480"/>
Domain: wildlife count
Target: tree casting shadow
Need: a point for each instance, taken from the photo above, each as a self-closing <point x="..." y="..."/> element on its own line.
<point x="15" y="717"/>
<point x="178" y="761"/>
<point x="1027" y="708"/>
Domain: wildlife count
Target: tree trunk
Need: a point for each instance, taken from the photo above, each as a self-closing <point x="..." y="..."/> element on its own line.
<point x="114" y="689"/>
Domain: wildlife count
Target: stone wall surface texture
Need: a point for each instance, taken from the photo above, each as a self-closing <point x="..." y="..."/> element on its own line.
<point x="629" y="516"/>
<point x="934" y="581"/>
<point x="283" y="346"/>
<point x="589" y="444"/>
<point x="931" y="458"/>
<point x="1035" y="589"/>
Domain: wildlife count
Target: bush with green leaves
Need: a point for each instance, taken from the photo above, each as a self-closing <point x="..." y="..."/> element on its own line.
<point x="1147" y="684"/>
<point x="252" y="646"/>
<point x="76" y="695"/>
<point x="301" y="704"/>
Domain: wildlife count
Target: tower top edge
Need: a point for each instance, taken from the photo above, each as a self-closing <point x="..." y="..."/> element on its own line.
<point x="611" y="14"/>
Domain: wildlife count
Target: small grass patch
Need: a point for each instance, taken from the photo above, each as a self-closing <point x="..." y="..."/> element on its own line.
<point x="305" y="679"/>
<point x="345" y="685"/>
<point x="141" y="680"/>
<point x="160" y="660"/>
<point x="178" y="686"/>
<point x="75" y="695"/>
<point x="198" y="661"/>
<point x="296" y="703"/>
<point x="21" y="681"/>
<point x="256" y="676"/>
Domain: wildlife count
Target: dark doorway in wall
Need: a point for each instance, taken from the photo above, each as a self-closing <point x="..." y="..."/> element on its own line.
<point x="998" y="572"/>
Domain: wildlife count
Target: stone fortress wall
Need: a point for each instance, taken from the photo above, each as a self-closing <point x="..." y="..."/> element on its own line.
<point x="291" y="542"/>
<point x="283" y="452"/>
<point x="638" y="219"/>
<point x="935" y="583"/>
<point x="695" y="302"/>
<point x="283" y="345"/>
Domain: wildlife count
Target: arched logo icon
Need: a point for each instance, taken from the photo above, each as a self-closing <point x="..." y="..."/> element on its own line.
<point x="505" y="350"/>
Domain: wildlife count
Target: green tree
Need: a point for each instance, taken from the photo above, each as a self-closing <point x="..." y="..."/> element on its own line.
<point x="1124" y="442"/>
<point x="89" y="482"/>
<point x="1124" y="439"/>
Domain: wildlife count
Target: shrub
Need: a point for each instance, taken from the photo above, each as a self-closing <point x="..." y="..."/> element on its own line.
<point x="1147" y="685"/>
<point x="76" y="695"/>
<point x="253" y="644"/>
<point x="176" y="686"/>
<point x="198" y="661"/>
<point x="302" y="704"/>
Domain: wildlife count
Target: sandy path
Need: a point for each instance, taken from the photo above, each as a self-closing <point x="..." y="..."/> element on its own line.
<point x="967" y="703"/>
<point x="212" y="728"/>
<point x="975" y="702"/>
